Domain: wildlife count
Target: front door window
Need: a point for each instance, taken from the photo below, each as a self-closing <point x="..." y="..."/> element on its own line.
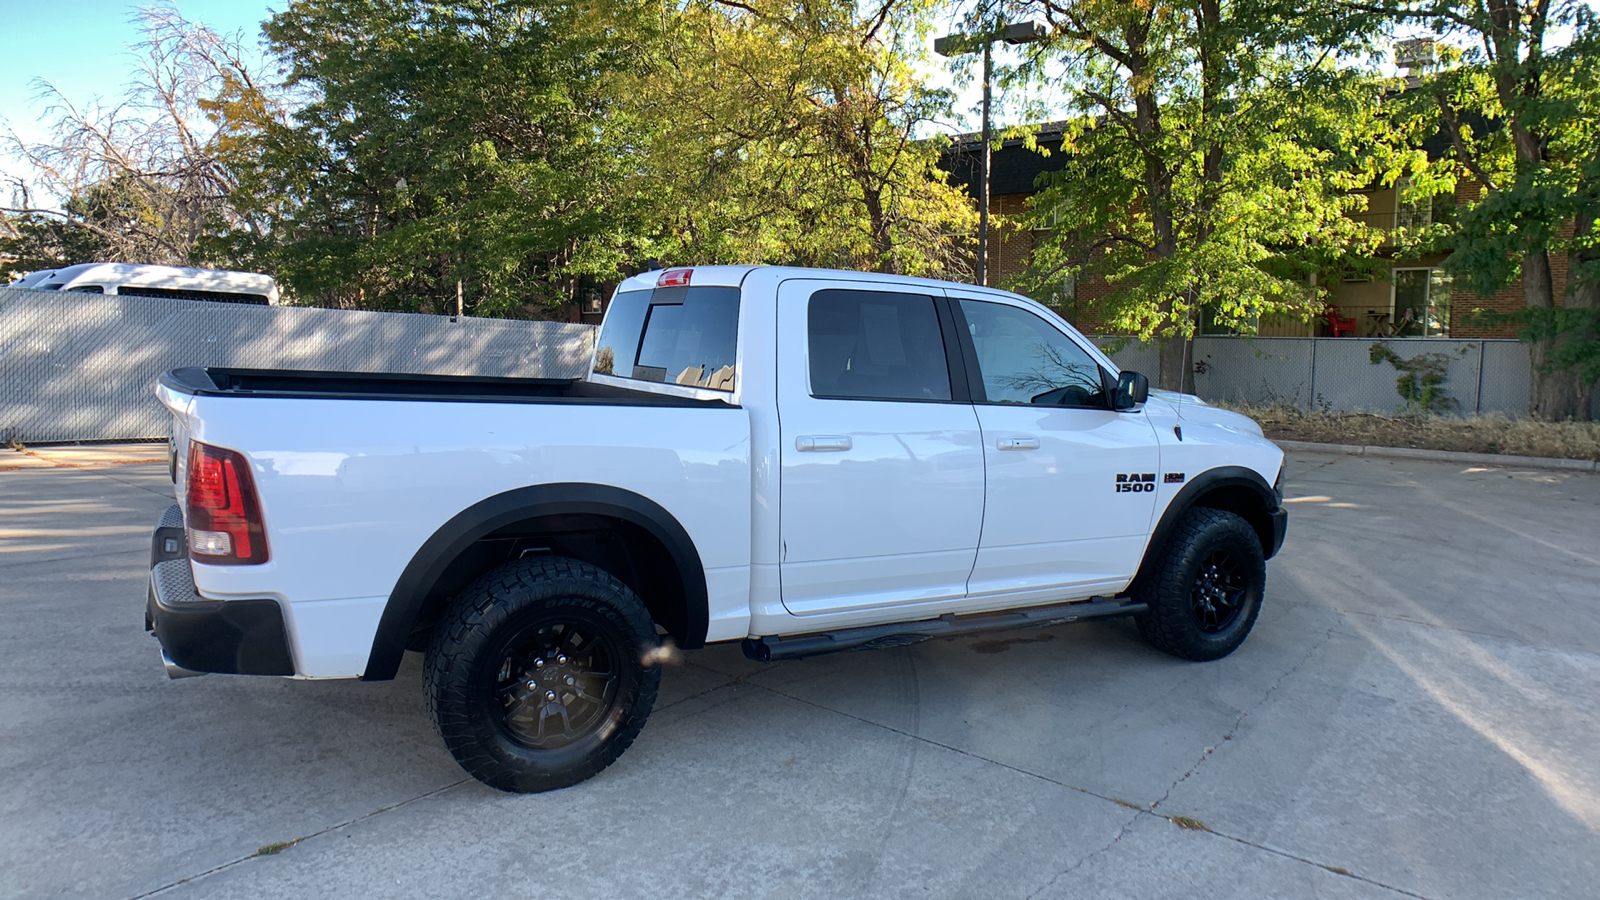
<point x="1024" y="360"/>
<point x="1421" y="303"/>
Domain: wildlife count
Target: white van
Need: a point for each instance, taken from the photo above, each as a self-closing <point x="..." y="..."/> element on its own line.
<point x="173" y="282"/>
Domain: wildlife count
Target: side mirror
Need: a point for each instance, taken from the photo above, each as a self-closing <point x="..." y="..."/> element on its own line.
<point x="1132" y="390"/>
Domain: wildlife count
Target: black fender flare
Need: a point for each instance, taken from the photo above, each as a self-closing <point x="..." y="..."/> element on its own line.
<point x="485" y="517"/>
<point x="1204" y="483"/>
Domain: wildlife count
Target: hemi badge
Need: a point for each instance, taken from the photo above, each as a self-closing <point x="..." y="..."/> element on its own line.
<point x="1174" y="478"/>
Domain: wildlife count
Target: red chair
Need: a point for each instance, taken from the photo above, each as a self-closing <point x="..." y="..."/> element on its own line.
<point x="1338" y="325"/>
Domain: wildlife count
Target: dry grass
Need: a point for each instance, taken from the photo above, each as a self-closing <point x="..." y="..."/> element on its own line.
<point x="1476" y="434"/>
<point x="1189" y="823"/>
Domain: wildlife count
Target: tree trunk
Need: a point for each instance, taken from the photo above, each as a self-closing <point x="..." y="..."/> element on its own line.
<point x="1158" y="190"/>
<point x="1584" y="293"/>
<point x="1176" y="363"/>
<point x="1552" y="393"/>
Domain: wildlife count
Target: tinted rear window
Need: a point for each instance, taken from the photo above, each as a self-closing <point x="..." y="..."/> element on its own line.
<point x="876" y="345"/>
<point x="684" y="336"/>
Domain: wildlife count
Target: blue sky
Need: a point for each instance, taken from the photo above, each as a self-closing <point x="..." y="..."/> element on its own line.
<point x="81" y="46"/>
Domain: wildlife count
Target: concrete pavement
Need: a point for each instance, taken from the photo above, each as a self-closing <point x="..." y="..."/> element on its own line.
<point x="1416" y="714"/>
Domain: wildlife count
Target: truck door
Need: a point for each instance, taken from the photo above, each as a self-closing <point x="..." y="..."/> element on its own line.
<point x="1070" y="482"/>
<point x="881" y="488"/>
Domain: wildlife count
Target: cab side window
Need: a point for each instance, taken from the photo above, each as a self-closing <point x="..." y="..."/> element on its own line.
<point x="876" y="345"/>
<point x="1024" y="359"/>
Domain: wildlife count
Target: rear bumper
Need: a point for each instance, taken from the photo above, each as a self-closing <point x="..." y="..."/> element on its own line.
<point x="1280" y="527"/>
<point x="236" y="637"/>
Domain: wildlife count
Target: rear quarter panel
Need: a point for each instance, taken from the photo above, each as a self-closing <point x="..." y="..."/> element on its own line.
<point x="350" y="489"/>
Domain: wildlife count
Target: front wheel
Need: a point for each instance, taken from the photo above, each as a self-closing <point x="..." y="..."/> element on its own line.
<point x="1205" y="590"/>
<point x="542" y="674"/>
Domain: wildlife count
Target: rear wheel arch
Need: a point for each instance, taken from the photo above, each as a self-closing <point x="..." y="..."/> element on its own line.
<point x="627" y="534"/>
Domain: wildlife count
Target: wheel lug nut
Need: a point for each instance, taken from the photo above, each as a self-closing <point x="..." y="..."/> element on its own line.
<point x="569" y="679"/>
<point x="549" y="695"/>
<point x="532" y="685"/>
<point x="538" y="661"/>
<point x="562" y="659"/>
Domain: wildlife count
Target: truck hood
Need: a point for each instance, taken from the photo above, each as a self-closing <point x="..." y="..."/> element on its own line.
<point x="1193" y="410"/>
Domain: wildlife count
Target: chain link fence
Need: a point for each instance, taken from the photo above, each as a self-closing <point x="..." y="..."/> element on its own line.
<point x="1338" y="374"/>
<point x="82" y="367"/>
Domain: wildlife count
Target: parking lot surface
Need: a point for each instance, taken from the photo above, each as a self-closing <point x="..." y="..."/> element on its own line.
<point x="1417" y="714"/>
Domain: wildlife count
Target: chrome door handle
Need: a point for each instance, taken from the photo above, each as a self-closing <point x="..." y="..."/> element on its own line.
<point x="819" y="442"/>
<point x="1018" y="442"/>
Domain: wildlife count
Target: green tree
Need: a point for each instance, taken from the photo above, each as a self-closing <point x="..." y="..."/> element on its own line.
<point x="1523" y="119"/>
<point x="433" y="146"/>
<point x="33" y="241"/>
<point x="785" y="132"/>
<point x="1212" y="156"/>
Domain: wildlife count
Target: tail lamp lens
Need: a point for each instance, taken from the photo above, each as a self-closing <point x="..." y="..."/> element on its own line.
<point x="223" y="514"/>
<point x="674" y="278"/>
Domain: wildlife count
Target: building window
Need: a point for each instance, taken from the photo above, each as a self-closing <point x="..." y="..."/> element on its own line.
<point x="1419" y="305"/>
<point x="1421" y="212"/>
<point x="1415" y="214"/>
<point x="1065" y="296"/>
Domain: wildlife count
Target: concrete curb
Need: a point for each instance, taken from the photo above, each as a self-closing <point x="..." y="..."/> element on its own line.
<point x="82" y="456"/>
<point x="1455" y="456"/>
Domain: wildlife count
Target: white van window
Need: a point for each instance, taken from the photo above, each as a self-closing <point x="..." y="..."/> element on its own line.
<point x="135" y="290"/>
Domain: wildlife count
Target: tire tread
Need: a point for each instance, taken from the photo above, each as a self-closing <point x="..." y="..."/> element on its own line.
<point x="1167" y="625"/>
<point x="483" y="607"/>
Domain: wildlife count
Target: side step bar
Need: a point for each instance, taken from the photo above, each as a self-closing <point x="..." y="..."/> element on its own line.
<point x="899" y="634"/>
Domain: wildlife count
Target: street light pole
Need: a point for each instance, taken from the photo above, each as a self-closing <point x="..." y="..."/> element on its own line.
<point x="956" y="44"/>
<point x="983" y="171"/>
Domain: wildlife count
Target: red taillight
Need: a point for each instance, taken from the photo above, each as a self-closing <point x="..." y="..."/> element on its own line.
<point x="674" y="278"/>
<point x="222" y="515"/>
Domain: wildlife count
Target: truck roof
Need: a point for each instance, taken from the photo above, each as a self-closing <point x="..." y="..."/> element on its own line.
<point x="734" y="276"/>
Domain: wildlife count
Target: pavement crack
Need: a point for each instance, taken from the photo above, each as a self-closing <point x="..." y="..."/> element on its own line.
<point x="165" y="492"/>
<point x="1121" y="832"/>
<point x="1336" y="870"/>
<point x="255" y="854"/>
<point x="967" y="753"/>
<point x="1311" y="652"/>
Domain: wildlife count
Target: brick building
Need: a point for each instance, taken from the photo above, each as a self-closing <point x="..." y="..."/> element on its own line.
<point x="1412" y="297"/>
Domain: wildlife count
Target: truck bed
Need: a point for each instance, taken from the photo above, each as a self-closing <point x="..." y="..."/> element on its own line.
<point x="286" y="383"/>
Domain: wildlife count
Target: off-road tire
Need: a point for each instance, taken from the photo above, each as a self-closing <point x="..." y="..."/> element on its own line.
<point x="1180" y="621"/>
<point x="477" y="649"/>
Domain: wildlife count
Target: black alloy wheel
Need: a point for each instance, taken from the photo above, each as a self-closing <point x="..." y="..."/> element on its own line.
<point x="1203" y="591"/>
<point x="542" y="673"/>
<point x="556" y="684"/>
<point x="1218" y="594"/>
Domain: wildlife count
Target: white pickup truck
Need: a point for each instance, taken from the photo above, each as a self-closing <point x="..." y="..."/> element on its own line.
<point x="802" y="460"/>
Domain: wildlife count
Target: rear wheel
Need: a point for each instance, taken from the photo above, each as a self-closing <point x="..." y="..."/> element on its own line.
<point x="542" y="674"/>
<point x="1205" y="592"/>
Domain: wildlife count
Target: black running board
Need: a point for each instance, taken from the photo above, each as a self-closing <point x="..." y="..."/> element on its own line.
<point x="899" y="634"/>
